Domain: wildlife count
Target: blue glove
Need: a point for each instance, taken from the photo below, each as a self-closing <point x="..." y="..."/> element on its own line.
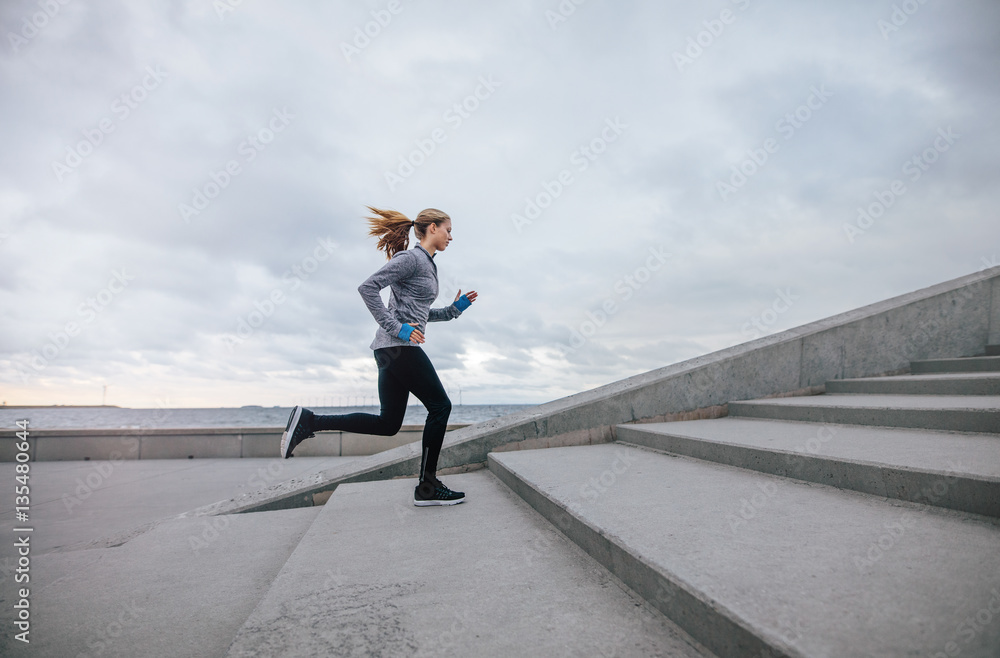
<point x="462" y="303"/>
<point x="405" y="331"/>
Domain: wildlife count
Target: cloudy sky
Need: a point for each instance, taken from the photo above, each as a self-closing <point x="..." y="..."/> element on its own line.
<point x="183" y="184"/>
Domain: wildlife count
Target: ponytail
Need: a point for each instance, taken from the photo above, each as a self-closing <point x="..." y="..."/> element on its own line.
<point x="392" y="228"/>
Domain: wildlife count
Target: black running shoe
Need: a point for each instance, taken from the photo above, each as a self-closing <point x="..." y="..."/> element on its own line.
<point x="433" y="492"/>
<point x="298" y="429"/>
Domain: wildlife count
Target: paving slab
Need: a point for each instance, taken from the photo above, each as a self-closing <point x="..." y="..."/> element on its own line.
<point x="182" y="589"/>
<point x="753" y="563"/>
<point x="376" y="576"/>
<point x="949" y="469"/>
<point x="960" y="413"/>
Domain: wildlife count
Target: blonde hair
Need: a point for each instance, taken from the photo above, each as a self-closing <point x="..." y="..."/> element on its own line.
<point x="392" y="228"/>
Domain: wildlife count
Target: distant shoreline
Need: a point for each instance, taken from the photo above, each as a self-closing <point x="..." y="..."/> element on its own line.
<point x="60" y="406"/>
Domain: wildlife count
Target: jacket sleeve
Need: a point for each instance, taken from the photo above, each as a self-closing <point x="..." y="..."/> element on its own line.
<point x="449" y="312"/>
<point x="399" y="267"/>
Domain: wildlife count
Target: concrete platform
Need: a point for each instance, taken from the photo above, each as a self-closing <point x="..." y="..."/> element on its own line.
<point x="182" y="589"/>
<point x="963" y="364"/>
<point x="752" y="563"/>
<point x="978" y="383"/>
<point x="957" y="413"/>
<point x="948" y="469"/>
<point x="75" y="503"/>
<point x="376" y="576"/>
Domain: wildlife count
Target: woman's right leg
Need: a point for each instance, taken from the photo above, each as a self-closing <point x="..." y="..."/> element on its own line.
<point x="392" y="394"/>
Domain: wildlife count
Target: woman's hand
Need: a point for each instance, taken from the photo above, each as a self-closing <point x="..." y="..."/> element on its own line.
<point x="415" y="335"/>
<point x="472" y="294"/>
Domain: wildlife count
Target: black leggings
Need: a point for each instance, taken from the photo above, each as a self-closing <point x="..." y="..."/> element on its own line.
<point x="401" y="370"/>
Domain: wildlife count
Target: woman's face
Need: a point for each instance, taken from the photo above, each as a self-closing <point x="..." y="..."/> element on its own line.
<point x="442" y="235"/>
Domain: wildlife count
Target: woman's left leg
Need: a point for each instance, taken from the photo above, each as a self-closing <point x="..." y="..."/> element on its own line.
<point x="414" y="368"/>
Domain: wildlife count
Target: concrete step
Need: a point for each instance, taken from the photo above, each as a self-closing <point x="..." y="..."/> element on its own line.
<point x="753" y="564"/>
<point x="183" y="589"/>
<point x="993" y="350"/>
<point x="964" y="364"/>
<point x="955" y="413"/>
<point x="973" y="383"/>
<point x="948" y="469"/>
<point x="376" y="576"/>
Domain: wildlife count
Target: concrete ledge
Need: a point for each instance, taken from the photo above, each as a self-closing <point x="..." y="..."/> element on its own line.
<point x="965" y="492"/>
<point x="974" y="364"/>
<point x="195" y="443"/>
<point x="952" y="384"/>
<point x="956" y="413"/>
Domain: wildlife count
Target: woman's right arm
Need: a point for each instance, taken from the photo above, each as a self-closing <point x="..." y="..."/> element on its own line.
<point x="400" y="266"/>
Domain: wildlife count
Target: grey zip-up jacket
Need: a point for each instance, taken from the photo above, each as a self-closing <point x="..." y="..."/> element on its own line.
<point x="412" y="277"/>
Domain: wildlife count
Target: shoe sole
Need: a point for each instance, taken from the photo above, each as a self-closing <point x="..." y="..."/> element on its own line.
<point x="430" y="503"/>
<point x="286" y="438"/>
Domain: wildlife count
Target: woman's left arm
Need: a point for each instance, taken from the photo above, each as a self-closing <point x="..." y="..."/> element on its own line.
<point x="454" y="309"/>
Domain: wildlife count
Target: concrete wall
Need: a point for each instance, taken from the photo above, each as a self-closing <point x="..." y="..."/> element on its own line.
<point x="63" y="445"/>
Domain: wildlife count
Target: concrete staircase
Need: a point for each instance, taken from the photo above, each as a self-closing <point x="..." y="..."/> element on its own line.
<point x="861" y="522"/>
<point x="864" y="521"/>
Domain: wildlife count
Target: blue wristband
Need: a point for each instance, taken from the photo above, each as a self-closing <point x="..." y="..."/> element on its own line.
<point x="405" y="331"/>
<point x="462" y="303"/>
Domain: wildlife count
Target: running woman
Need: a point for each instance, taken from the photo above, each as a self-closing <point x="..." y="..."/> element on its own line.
<point x="403" y="367"/>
